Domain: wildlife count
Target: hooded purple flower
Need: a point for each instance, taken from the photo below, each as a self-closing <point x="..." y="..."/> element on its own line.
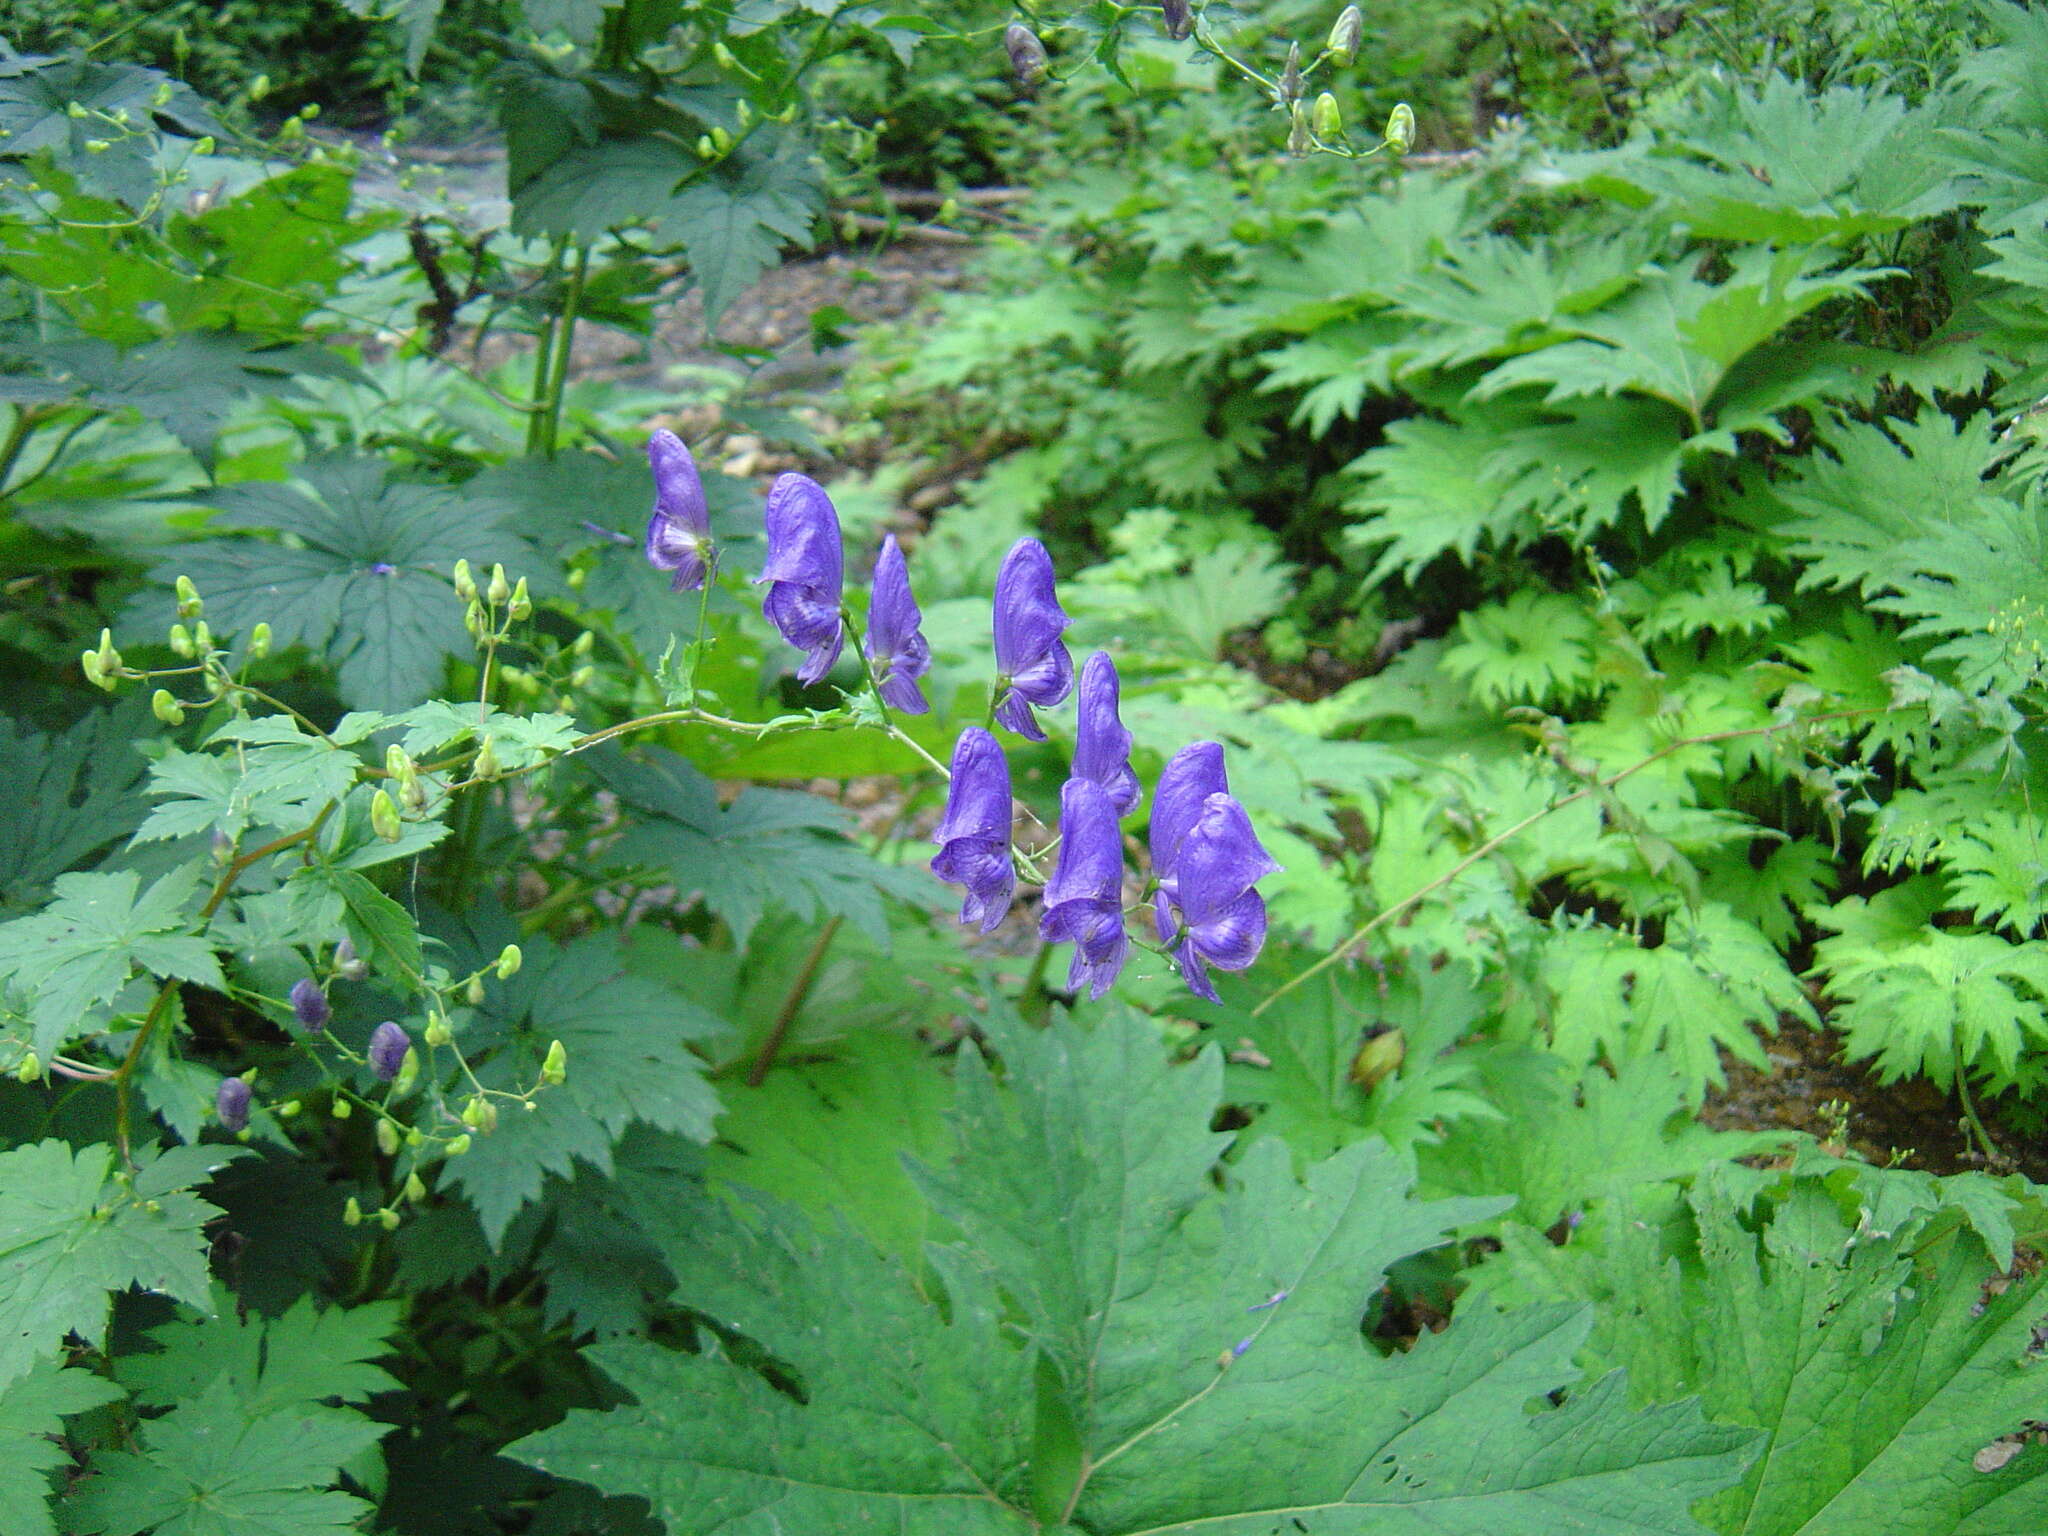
<point x="1030" y="655"/>
<point x="309" y="1004"/>
<point x="388" y="1044"/>
<point x="679" y="531"/>
<point x="231" y="1104"/>
<point x="896" y="649"/>
<point x="1102" y="748"/>
<point x="974" y="834"/>
<point x="1084" y="898"/>
<point x="1222" y="918"/>
<point x="805" y="565"/>
<point x="1193" y="774"/>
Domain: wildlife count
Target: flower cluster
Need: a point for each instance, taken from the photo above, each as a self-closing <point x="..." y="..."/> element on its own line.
<point x="1206" y="859"/>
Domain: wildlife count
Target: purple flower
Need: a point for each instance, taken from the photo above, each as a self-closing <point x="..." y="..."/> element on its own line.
<point x="1084" y="898"/>
<point x="1189" y="779"/>
<point x="231" y="1104"/>
<point x="896" y="650"/>
<point x="309" y="1004"/>
<point x="1102" y="749"/>
<point x="1222" y="919"/>
<point x="974" y="834"/>
<point x="388" y="1045"/>
<point x="679" y="530"/>
<point x="1030" y="655"/>
<point x="805" y="565"/>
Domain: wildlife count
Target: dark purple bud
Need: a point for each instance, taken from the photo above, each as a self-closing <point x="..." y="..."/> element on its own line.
<point x="388" y="1045"/>
<point x="1222" y="919"/>
<point x="309" y="1004"/>
<point x="231" y="1104"/>
<point x="974" y="833"/>
<point x="1027" y="53"/>
<point x="1180" y="21"/>
<point x="805" y="565"/>
<point x="348" y="964"/>
<point x="896" y="648"/>
<point x="1030" y="655"/>
<point x="1102" y="747"/>
<point x="1084" y="899"/>
<point x="679" y="529"/>
<point x="1189" y="779"/>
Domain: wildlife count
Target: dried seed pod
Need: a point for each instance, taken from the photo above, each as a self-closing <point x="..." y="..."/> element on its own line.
<point x="1027" y="53"/>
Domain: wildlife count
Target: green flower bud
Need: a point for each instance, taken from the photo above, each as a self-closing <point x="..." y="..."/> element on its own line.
<point x="388" y="1219"/>
<point x="189" y="604"/>
<point x="1290" y="77"/>
<point x="1300" y="139"/>
<point x="259" y="642"/>
<point x="166" y="708"/>
<point x="98" y="146"/>
<point x="522" y="605"/>
<point x="509" y="959"/>
<point x="412" y="794"/>
<point x="259" y="87"/>
<point x="202" y="638"/>
<point x="554" y="1071"/>
<point x="1346" y="35"/>
<point x="415" y="1138"/>
<point x="352" y="1213"/>
<point x="89" y="662"/>
<point x="486" y="765"/>
<point x="582" y="677"/>
<point x="1326" y="118"/>
<point x="480" y="1115"/>
<point x="181" y="640"/>
<point x="204" y="146"/>
<point x="387" y="1138"/>
<point x="415" y="1191"/>
<point x="1027" y="53"/>
<point x="465" y="583"/>
<point x="475" y="992"/>
<point x="29" y="1069"/>
<point x="397" y="762"/>
<point x="706" y="150"/>
<point x="110" y="659"/>
<point x="1400" y="132"/>
<point x="408" y="1074"/>
<point x="438" y="1032"/>
<point x="576" y="578"/>
<point x="500" y="589"/>
<point x="384" y="817"/>
<point x="457" y="1145"/>
<point x="341" y="1109"/>
<point x="289" y="1109"/>
<point x="583" y="645"/>
<point x="473" y="618"/>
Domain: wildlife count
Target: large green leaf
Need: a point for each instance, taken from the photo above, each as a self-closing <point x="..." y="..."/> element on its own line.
<point x="32" y="1412"/>
<point x="733" y="224"/>
<point x="68" y="796"/>
<point x="1165" y="1384"/>
<point x="1890" y="1365"/>
<point x="71" y="1232"/>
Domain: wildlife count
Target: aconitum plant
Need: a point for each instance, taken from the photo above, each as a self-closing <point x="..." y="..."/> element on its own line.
<point x="1206" y="859"/>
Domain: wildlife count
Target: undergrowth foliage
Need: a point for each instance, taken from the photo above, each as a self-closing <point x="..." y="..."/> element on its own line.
<point x="485" y="1046"/>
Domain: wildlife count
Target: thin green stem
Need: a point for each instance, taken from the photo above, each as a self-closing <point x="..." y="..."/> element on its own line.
<point x="1990" y="1152"/>
<point x="1033" y="1000"/>
<point x="792" y="1002"/>
<point x="565" y="340"/>
<point x="543" y="360"/>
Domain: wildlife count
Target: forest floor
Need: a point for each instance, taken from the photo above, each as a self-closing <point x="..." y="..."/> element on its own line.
<point x="1808" y="1088"/>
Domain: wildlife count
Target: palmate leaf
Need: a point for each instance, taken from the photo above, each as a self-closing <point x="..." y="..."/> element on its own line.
<point x="363" y="584"/>
<point x="68" y="796"/>
<point x="628" y="1043"/>
<point x="32" y="1412"/>
<point x="81" y="950"/>
<point x="70" y="1234"/>
<point x="734" y="222"/>
<point x="1889" y="1374"/>
<point x="769" y="848"/>
<point x="1130" y="1277"/>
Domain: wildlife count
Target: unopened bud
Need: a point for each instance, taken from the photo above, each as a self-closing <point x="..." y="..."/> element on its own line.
<point x="1400" y="128"/>
<point x="204" y="146"/>
<point x="259" y="642"/>
<point x="387" y="1137"/>
<point x="110" y="659"/>
<point x="397" y="762"/>
<point x="384" y="818"/>
<point x="509" y="960"/>
<point x="583" y="645"/>
<point x="480" y="1115"/>
<point x="289" y="1109"/>
<point x="475" y="992"/>
<point x="465" y="583"/>
<point x="388" y="1219"/>
<point x="438" y="1032"/>
<point x="341" y="1109"/>
<point x="348" y="964"/>
<point x="29" y="1069"/>
<point x="202" y="638"/>
<point x="89" y="663"/>
<point x="582" y="677"/>
<point x="457" y="1145"/>
<point x="412" y="794"/>
<point x="1178" y="18"/>
<point x="1290" y="77"/>
<point x="166" y="708"/>
<point x="706" y="150"/>
<point x="499" y="589"/>
<point x="415" y="1191"/>
<point x="181" y="640"/>
<point x="189" y="604"/>
<point x="1027" y="53"/>
<point x="473" y="618"/>
<point x="721" y="141"/>
<point x="1326" y="118"/>
<point x="352" y="1213"/>
<point x="1346" y="35"/>
<point x="1300" y="140"/>
<point x="401" y="1085"/>
<point x="554" y="1071"/>
<point x="522" y="605"/>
